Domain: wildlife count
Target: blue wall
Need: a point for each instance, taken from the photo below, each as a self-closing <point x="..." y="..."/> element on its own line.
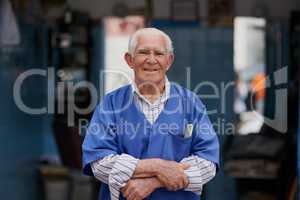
<point x="24" y="138"/>
<point x="208" y="52"/>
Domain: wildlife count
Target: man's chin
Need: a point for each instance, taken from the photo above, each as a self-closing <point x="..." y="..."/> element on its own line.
<point x="151" y="81"/>
<point x="155" y="83"/>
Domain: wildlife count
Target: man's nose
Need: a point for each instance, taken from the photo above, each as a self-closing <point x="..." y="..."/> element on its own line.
<point x="151" y="58"/>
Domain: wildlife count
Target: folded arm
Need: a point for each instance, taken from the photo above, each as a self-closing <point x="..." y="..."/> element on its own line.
<point x="129" y="175"/>
<point x="114" y="170"/>
<point x="200" y="173"/>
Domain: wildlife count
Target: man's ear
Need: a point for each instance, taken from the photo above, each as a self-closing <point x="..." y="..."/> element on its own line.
<point x="129" y="60"/>
<point x="170" y="60"/>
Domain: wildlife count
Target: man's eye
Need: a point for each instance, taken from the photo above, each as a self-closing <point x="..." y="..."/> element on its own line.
<point x="159" y="53"/>
<point x="143" y="52"/>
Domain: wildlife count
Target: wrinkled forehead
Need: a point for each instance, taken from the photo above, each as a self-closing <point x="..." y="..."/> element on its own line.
<point x="151" y="42"/>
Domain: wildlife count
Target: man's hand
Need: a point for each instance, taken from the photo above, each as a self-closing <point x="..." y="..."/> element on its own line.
<point x="140" y="188"/>
<point x="171" y="174"/>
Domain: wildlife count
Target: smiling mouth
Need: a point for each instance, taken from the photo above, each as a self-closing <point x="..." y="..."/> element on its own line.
<point x="151" y="70"/>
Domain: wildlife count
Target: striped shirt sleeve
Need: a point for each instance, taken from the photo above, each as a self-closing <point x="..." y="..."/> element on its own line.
<point x="200" y="172"/>
<point x="114" y="170"/>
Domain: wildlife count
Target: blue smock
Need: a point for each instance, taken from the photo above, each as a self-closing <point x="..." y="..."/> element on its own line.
<point x="118" y="126"/>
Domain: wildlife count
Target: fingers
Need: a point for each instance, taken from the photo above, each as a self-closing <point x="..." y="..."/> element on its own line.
<point x="176" y="183"/>
<point x="131" y="196"/>
<point x="134" y="195"/>
<point x="125" y="190"/>
<point x="173" y="185"/>
<point x="129" y="193"/>
<point x="174" y="179"/>
<point x="184" y="166"/>
<point x="185" y="182"/>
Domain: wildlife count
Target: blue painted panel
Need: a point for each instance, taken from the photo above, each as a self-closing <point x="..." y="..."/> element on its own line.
<point x="97" y="55"/>
<point x="21" y="134"/>
<point x="25" y="138"/>
<point x="208" y="52"/>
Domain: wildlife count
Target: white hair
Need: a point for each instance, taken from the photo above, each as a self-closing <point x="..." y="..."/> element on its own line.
<point x="149" y="31"/>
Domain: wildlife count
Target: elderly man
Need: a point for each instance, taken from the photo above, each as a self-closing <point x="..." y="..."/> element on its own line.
<point x="151" y="139"/>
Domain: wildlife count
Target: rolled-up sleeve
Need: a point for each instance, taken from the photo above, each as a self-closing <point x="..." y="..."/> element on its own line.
<point x="115" y="170"/>
<point x="199" y="173"/>
<point x="100" y="139"/>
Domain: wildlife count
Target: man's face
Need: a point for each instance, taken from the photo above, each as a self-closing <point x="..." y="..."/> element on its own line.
<point x="150" y="60"/>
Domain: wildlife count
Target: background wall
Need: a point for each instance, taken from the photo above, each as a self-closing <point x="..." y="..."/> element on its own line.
<point x="24" y="139"/>
<point x="272" y="9"/>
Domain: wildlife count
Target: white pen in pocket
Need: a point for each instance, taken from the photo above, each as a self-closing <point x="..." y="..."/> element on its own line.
<point x="188" y="130"/>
